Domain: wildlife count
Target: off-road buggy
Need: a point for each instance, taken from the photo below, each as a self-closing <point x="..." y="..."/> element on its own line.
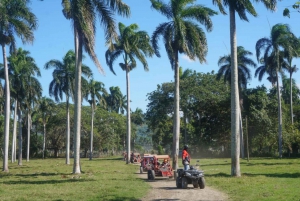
<point x="161" y="167"/>
<point x="191" y="176"/>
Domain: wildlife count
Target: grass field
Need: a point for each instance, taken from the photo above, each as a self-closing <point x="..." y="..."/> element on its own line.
<point x="51" y="179"/>
<point x="262" y="178"/>
<point x="111" y="179"/>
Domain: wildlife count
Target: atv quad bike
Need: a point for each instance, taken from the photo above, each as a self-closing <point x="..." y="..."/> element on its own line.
<point x="191" y="176"/>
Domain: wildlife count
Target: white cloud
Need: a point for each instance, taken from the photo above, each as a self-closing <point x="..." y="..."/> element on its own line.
<point x="184" y="57"/>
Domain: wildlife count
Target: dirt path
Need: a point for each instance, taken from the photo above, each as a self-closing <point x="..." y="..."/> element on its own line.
<point x="165" y="189"/>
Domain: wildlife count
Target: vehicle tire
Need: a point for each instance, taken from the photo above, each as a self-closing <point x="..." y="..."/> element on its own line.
<point x="195" y="184"/>
<point x="178" y="182"/>
<point x="201" y="183"/>
<point x="153" y="174"/>
<point x="149" y="175"/>
<point x="141" y="170"/>
<point x="184" y="183"/>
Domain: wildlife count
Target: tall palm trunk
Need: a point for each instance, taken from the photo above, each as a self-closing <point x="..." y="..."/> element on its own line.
<point x="20" y="134"/>
<point x="128" y="113"/>
<point x="235" y="141"/>
<point x="7" y="113"/>
<point x="291" y="98"/>
<point x="28" y="135"/>
<point x="176" y="120"/>
<point x="68" y="133"/>
<point x="92" y="132"/>
<point x="279" y="114"/>
<point x="13" y="144"/>
<point x="77" y="115"/>
<point x="241" y="135"/>
<point x="44" y="137"/>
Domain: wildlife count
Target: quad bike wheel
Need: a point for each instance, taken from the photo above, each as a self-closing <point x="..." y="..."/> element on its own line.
<point x="201" y="183"/>
<point x="141" y="170"/>
<point x="178" y="182"/>
<point x="184" y="182"/>
<point x="195" y="184"/>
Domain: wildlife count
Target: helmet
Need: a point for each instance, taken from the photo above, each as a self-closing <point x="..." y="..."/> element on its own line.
<point x="185" y="147"/>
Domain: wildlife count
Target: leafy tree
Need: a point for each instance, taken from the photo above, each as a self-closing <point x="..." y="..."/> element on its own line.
<point x="131" y="44"/>
<point x="181" y="34"/>
<point x="63" y="82"/>
<point x="16" y="19"/>
<point x="281" y="37"/>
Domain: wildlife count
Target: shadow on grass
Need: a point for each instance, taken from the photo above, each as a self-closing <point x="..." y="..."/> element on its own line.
<point x="269" y="164"/>
<point x="215" y="164"/>
<point x="37" y="174"/>
<point x="221" y="174"/>
<point x="112" y="159"/>
<point x="279" y="175"/>
<point x="48" y="181"/>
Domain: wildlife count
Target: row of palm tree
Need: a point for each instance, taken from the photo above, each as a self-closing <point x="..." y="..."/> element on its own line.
<point x="181" y="34"/>
<point x="274" y="60"/>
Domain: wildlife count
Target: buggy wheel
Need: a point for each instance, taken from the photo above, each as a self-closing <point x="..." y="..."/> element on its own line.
<point x="141" y="170"/>
<point x="184" y="182"/>
<point x="195" y="184"/>
<point x="201" y="183"/>
<point x="178" y="182"/>
<point x="153" y="174"/>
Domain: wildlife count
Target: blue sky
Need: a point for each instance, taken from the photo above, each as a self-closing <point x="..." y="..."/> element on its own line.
<point x="54" y="38"/>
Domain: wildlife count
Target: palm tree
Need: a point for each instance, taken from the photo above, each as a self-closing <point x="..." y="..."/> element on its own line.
<point x="241" y="7"/>
<point x="96" y="92"/>
<point x="290" y="53"/>
<point x="281" y="37"/>
<point x="45" y="108"/>
<point x="63" y="83"/>
<point x="115" y="100"/>
<point x="16" y="19"/>
<point x="244" y="75"/>
<point x="83" y="13"/>
<point x="25" y="89"/>
<point x="244" y="62"/>
<point x="131" y="44"/>
<point x="181" y="34"/>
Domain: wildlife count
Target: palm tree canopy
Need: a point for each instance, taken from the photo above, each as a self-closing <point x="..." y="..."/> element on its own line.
<point x="244" y="74"/>
<point x="242" y="7"/>
<point x="281" y="36"/>
<point x="132" y="44"/>
<point x="182" y="33"/>
<point x="83" y="14"/>
<point x="64" y="75"/>
<point x="22" y="70"/>
<point x="16" y="18"/>
<point x="96" y="90"/>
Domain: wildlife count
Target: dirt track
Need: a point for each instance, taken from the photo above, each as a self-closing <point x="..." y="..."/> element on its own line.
<point x="165" y="189"/>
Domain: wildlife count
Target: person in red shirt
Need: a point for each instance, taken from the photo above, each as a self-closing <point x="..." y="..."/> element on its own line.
<point x="186" y="159"/>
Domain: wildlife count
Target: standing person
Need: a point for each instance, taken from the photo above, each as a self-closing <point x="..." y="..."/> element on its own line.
<point x="186" y="158"/>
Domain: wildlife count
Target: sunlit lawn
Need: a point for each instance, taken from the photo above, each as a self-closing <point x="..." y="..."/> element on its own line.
<point x="51" y="179"/>
<point x="262" y="178"/>
<point x="112" y="179"/>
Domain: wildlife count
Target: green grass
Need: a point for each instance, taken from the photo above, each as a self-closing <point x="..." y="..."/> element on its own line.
<point x="262" y="178"/>
<point x="51" y="179"/>
<point x="111" y="179"/>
